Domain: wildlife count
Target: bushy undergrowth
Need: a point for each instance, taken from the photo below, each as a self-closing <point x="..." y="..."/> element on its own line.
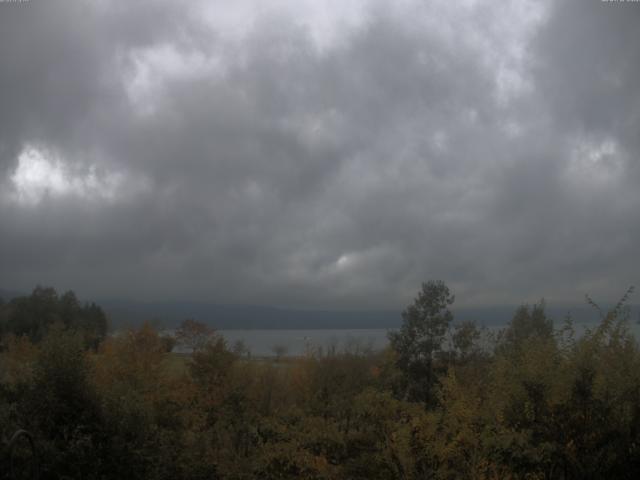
<point x="532" y="403"/>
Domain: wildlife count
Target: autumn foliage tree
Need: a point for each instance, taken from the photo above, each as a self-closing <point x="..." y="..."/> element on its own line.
<point x="538" y="402"/>
<point x="193" y="335"/>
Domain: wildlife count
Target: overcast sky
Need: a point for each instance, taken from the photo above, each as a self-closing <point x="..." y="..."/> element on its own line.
<point x="324" y="154"/>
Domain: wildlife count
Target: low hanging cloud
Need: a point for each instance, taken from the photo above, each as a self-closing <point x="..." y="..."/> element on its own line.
<point x="320" y="154"/>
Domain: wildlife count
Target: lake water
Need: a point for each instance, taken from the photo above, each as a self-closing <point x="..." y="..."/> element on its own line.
<point x="298" y="342"/>
<point x="262" y="343"/>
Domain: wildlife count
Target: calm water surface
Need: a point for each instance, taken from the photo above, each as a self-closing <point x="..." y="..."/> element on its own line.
<point x="299" y="342"/>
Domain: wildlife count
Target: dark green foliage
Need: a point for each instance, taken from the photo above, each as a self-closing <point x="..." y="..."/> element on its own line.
<point x="527" y="323"/>
<point x="61" y="407"/>
<point x="465" y="340"/>
<point x="35" y="314"/>
<point x="420" y="338"/>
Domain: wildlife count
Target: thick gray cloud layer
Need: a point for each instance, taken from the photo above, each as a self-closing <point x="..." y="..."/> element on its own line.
<point x="316" y="154"/>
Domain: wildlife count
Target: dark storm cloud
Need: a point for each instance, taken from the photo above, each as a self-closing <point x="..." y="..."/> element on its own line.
<point x="476" y="144"/>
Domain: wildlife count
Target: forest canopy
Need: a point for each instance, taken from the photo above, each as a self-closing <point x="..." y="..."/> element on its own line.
<point x="443" y="400"/>
<point x="32" y="316"/>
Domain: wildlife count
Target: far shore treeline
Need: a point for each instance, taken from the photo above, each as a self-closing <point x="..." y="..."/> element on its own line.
<point x="124" y="314"/>
<point x="446" y="399"/>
